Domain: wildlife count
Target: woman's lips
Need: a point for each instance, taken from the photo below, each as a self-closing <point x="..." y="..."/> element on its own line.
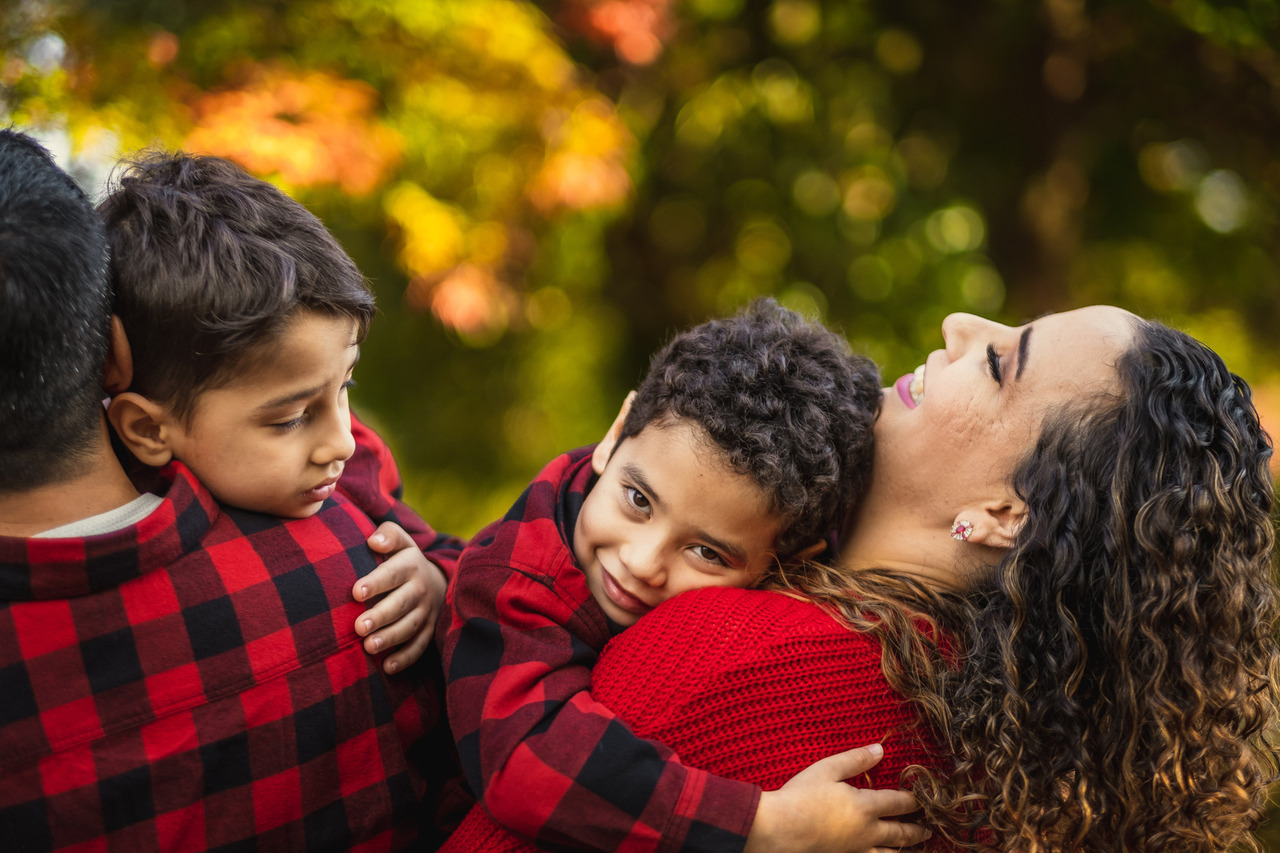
<point x="620" y="596"/>
<point x="903" y="387"/>
<point x="911" y="387"/>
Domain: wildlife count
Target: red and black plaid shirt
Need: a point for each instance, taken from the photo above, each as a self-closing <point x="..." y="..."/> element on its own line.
<point x="371" y="481"/>
<point x="194" y="682"/>
<point x="549" y="762"/>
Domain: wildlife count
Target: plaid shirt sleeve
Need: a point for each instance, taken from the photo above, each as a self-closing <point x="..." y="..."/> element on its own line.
<point x="371" y="481"/>
<point x="549" y="762"/>
<point x="194" y="682"/>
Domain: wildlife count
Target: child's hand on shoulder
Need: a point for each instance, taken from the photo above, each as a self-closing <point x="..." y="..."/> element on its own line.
<point x="816" y="812"/>
<point x="412" y="590"/>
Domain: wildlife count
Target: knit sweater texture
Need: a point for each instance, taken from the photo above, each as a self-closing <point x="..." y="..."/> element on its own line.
<point x="750" y="685"/>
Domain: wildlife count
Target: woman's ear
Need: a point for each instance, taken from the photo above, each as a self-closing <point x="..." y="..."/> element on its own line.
<point x="995" y="525"/>
<point x="144" y="426"/>
<point x="600" y="456"/>
<point x="117" y="373"/>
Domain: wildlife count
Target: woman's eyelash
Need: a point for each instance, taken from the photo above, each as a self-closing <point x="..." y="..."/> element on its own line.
<point x="993" y="361"/>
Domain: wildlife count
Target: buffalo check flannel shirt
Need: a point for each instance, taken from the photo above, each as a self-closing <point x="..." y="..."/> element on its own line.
<point x="549" y="762"/>
<point x="371" y="481"/>
<point x="194" y="682"/>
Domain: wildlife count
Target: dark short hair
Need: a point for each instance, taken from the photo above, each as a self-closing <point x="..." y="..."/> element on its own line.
<point x="209" y="263"/>
<point x="784" y="399"/>
<point x="55" y="317"/>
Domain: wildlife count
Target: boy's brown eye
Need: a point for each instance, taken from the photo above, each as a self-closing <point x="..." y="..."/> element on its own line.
<point x="709" y="554"/>
<point x="636" y="498"/>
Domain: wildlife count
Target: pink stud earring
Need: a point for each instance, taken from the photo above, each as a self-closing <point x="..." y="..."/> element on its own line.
<point x="960" y="530"/>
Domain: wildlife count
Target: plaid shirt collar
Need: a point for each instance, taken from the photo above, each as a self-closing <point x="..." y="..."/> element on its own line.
<point x="572" y="491"/>
<point x="72" y="567"/>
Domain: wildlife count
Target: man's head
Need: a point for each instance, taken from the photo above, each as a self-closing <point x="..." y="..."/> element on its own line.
<point x="244" y="317"/>
<point x="748" y="440"/>
<point x="55" y="317"/>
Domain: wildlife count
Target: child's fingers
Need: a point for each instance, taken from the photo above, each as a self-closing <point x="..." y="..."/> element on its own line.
<point x="384" y="617"/>
<point x="847" y="764"/>
<point x="395" y="571"/>
<point x="395" y="633"/>
<point x="888" y="802"/>
<point x="408" y="654"/>
<point x="389" y="537"/>
<point x="890" y="834"/>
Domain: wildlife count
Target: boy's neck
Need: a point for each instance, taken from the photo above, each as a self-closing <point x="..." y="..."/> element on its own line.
<point x="100" y="486"/>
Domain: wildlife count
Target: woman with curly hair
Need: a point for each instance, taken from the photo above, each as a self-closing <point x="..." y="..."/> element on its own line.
<point x="1063" y="561"/>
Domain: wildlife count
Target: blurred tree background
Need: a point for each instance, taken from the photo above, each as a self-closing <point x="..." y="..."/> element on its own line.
<point x="541" y="192"/>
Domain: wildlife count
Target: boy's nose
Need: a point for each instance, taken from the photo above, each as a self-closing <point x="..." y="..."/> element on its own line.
<point x="643" y="559"/>
<point x="337" y="444"/>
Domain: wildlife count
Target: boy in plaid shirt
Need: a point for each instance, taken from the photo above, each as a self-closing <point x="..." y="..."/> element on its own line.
<point x="176" y="675"/>
<point x="245" y="316"/>
<point x="748" y="440"/>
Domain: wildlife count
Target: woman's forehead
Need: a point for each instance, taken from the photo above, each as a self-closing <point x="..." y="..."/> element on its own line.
<point x="1081" y="345"/>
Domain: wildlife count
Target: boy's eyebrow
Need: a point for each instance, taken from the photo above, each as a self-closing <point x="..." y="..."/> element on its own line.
<point x="733" y="553"/>
<point x="304" y="393"/>
<point x="633" y="473"/>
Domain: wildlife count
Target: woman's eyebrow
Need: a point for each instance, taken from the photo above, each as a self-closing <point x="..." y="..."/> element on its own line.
<point x="1022" y="352"/>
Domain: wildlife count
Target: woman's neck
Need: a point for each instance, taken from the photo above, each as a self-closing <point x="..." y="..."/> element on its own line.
<point x="881" y="538"/>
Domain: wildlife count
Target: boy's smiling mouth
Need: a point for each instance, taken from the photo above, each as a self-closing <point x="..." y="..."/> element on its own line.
<point x="619" y="596"/>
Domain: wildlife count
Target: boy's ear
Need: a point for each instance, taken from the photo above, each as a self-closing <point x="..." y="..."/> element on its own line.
<point x="144" y="426"/>
<point x="117" y="373"/>
<point x="995" y="524"/>
<point x="600" y="457"/>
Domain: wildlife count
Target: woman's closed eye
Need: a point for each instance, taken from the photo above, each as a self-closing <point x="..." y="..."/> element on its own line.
<point x="993" y="362"/>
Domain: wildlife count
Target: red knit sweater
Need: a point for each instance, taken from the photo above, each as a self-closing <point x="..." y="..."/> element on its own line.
<point x="750" y="685"/>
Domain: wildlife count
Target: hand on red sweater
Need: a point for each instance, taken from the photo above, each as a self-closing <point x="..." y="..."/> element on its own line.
<point x="406" y="615"/>
<point x="816" y="812"/>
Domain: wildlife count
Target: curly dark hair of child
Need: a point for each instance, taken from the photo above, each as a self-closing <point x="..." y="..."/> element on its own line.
<point x="784" y="399"/>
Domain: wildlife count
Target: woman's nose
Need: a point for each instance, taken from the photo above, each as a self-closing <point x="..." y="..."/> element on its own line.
<point x="960" y="331"/>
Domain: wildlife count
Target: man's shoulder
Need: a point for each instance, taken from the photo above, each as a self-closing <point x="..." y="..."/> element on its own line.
<point x="187" y="529"/>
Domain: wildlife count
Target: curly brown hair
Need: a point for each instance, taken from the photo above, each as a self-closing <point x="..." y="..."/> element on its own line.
<point x="784" y="399"/>
<point x="1117" y="682"/>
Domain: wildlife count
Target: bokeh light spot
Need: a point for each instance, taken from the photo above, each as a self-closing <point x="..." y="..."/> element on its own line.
<point x="899" y="51"/>
<point x="815" y="192"/>
<point x="795" y="22"/>
<point x="1221" y="201"/>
